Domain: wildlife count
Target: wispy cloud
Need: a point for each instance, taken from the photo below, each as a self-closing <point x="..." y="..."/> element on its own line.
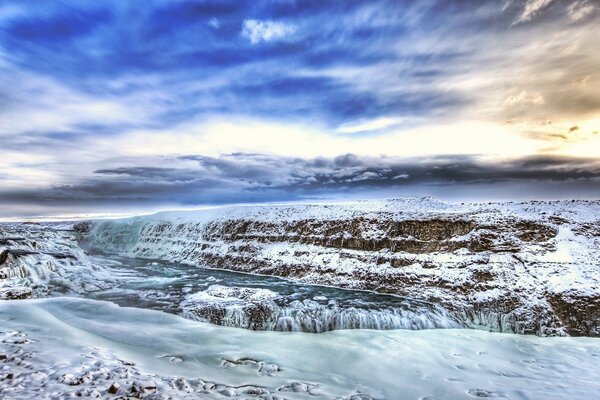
<point x="580" y="9"/>
<point x="369" y="125"/>
<point x="531" y="9"/>
<point x="265" y="31"/>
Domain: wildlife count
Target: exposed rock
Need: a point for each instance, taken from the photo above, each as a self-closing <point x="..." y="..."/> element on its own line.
<point x="3" y="256"/>
<point x="82" y="228"/>
<point x="143" y="386"/>
<point x="579" y="314"/>
<point x="15" y="293"/>
<point x="114" y="388"/>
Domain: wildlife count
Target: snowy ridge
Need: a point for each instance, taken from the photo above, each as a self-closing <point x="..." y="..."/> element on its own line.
<point x="529" y="267"/>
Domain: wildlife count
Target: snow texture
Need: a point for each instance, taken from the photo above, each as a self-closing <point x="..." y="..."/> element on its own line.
<point x="53" y="349"/>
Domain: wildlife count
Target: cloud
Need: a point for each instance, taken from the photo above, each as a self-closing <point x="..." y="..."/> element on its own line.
<point x="401" y="176"/>
<point x="525" y="97"/>
<point x="369" y="125"/>
<point x="243" y="177"/>
<point x="580" y="9"/>
<point x="265" y="31"/>
<point x="214" y="22"/>
<point x="531" y="9"/>
<point x="99" y="86"/>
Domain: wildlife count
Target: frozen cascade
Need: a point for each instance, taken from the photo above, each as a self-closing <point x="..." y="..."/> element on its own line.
<point x="309" y="316"/>
<point x="260" y="309"/>
<point x="40" y="260"/>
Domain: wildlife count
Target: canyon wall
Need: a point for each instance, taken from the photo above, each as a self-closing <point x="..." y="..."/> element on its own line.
<point x="529" y="268"/>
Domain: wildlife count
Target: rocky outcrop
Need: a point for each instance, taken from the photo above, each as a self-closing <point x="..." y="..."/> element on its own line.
<point x="579" y="314"/>
<point x="527" y="267"/>
<point x="15" y="293"/>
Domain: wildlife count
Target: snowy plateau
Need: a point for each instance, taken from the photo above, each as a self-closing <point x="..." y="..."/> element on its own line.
<point x="378" y="299"/>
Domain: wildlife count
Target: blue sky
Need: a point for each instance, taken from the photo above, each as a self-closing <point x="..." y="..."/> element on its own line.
<point x="110" y="106"/>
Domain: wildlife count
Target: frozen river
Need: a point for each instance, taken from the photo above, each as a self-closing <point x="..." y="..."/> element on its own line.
<point x="259" y="302"/>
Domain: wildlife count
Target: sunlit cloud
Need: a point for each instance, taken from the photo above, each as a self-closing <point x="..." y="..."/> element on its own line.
<point x="525" y="98"/>
<point x="531" y="9"/>
<point x="369" y="125"/>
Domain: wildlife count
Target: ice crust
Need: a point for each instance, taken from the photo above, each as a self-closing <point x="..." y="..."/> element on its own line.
<point x="54" y="350"/>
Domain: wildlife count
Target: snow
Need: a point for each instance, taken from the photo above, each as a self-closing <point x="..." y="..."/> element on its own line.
<point x="45" y="256"/>
<point x="222" y="293"/>
<point x="65" y="347"/>
<point x="52" y="342"/>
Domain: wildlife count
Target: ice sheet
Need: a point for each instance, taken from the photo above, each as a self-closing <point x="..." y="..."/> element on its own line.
<point x="71" y="336"/>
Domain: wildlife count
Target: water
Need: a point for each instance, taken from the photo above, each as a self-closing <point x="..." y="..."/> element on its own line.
<point x="259" y="302"/>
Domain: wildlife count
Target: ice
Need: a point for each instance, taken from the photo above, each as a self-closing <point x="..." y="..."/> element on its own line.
<point x="38" y="260"/>
<point x="370" y="345"/>
<point x="263" y="309"/>
<point x="50" y="343"/>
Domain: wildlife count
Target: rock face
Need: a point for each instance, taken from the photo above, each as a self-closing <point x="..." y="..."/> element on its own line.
<point x="247" y="308"/>
<point x="17" y="293"/>
<point x="528" y="268"/>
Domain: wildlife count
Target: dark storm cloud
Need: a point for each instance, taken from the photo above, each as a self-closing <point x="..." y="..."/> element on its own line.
<point x="244" y="177"/>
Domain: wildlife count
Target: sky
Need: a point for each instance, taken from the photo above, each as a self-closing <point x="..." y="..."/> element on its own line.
<point x="120" y="106"/>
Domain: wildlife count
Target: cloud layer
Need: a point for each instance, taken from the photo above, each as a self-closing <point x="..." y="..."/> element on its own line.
<point x="109" y="97"/>
<point x="243" y="178"/>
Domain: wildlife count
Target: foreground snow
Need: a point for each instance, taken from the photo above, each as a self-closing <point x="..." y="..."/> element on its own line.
<point x="58" y="348"/>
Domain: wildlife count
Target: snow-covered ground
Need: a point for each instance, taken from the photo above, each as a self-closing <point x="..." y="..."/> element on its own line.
<point x="68" y="347"/>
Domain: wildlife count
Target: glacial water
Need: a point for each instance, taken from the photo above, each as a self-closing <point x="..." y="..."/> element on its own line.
<point x="259" y="302"/>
